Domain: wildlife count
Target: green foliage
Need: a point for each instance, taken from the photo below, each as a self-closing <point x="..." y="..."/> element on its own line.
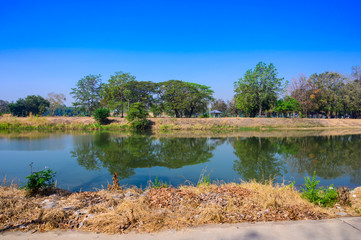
<point x="101" y="115"/>
<point x="287" y="105"/>
<point x="326" y="197"/>
<point x="258" y="89"/>
<point x="113" y="93"/>
<point x="38" y="181"/>
<point x="87" y="93"/>
<point x="159" y="183"/>
<point x="184" y="98"/>
<point x="35" y="105"/>
<point x="204" y="115"/>
<point x="137" y="116"/>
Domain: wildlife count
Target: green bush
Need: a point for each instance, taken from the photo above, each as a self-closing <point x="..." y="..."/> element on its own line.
<point x="137" y="116"/>
<point x="101" y="115"/>
<point x="326" y="197"/>
<point x="38" y="181"/>
<point x="205" y="115"/>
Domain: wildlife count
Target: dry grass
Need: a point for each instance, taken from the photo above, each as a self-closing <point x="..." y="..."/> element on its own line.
<point x="117" y="123"/>
<point x="124" y="210"/>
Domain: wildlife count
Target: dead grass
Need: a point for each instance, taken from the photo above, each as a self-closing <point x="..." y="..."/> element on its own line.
<point x="165" y="124"/>
<point x="124" y="210"/>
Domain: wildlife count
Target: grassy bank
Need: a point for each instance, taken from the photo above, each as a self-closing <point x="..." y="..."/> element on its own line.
<point x="124" y="210"/>
<point x="165" y="124"/>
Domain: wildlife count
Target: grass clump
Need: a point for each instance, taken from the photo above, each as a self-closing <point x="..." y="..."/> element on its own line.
<point x="159" y="183"/>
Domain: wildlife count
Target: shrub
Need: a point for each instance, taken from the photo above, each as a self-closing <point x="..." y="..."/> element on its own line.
<point x="137" y="116"/>
<point x="38" y="181"/>
<point x="320" y="196"/>
<point x="101" y="115"/>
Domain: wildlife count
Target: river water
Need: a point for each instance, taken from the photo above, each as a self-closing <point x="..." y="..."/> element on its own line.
<point x="86" y="161"/>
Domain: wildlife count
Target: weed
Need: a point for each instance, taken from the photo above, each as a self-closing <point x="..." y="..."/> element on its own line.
<point x="159" y="183"/>
<point x="320" y="196"/>
<point x="204" y="180"/>
<point x="38" y="181"/>
<point x="358" y="210"/>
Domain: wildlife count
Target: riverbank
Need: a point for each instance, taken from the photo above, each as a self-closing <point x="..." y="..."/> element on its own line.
<point x="155" y="209"/>
<point x="164" y="124"/>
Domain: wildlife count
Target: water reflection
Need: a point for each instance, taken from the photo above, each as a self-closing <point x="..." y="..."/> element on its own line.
<point x="258" y="159"/>
<point x="331" y="157"/>
<point x="124" y="154"/>
<point x="229" y="156"/>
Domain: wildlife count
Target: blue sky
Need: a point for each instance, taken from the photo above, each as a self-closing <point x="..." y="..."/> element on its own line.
<point x="47" y="46"/>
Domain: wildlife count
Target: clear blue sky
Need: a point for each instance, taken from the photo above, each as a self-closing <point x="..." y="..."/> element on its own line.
<point x="47" y="46"/>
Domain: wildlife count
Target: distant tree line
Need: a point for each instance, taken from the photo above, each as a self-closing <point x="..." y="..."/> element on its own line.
<point x="174" y="97"/>
<point x="259" y="93"/>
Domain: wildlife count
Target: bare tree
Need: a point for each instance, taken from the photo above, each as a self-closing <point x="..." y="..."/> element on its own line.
<point x="56" y="101"/>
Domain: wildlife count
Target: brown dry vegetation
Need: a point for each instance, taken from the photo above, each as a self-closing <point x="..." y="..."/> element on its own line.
<point x="124" y="210"/>
<point x="181" y="123"/>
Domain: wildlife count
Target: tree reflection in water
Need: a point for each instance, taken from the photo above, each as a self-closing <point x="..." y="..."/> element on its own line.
<point x="124" y="154"/>
<point x="330" y="156"/>
<point x="257" y="158"/>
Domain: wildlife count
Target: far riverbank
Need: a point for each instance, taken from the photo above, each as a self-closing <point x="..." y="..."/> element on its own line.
<point x="163" y="124"/>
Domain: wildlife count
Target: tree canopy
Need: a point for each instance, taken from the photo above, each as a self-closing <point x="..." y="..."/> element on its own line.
<point x="32" y="104"/>
<point x="184" y="98"/>
<point x="87" y="93"/>
<point x="258" y="89"/>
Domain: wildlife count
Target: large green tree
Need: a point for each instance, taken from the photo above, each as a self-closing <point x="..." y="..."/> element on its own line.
<point x="140" y="91"/>
<point x="258" y="89"/>
<point x="87" y="93"/>
<point x="113" y="92"/>
<point x="184" y="98"/>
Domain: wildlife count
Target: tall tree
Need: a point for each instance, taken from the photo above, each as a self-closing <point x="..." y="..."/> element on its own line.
<point x="258" y="89"/>
<point x="183" y="98"/>
<point x="328" y="86"/>
<point x="113" y="92"/>
<point x="140" y="91"/>
<point x="301" y="90"/>
<point x="87" y="93"/>
<point x="56" y="101"/>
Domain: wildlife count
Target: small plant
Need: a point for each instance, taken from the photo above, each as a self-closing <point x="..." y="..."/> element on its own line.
<point x="38" y="181"/>
<point x="358" y="210"/>
<point x="204" y="180"/>
<point x="321" y="196"/>
<point x="159" y="183"/>
<point x="101" y="115"/>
